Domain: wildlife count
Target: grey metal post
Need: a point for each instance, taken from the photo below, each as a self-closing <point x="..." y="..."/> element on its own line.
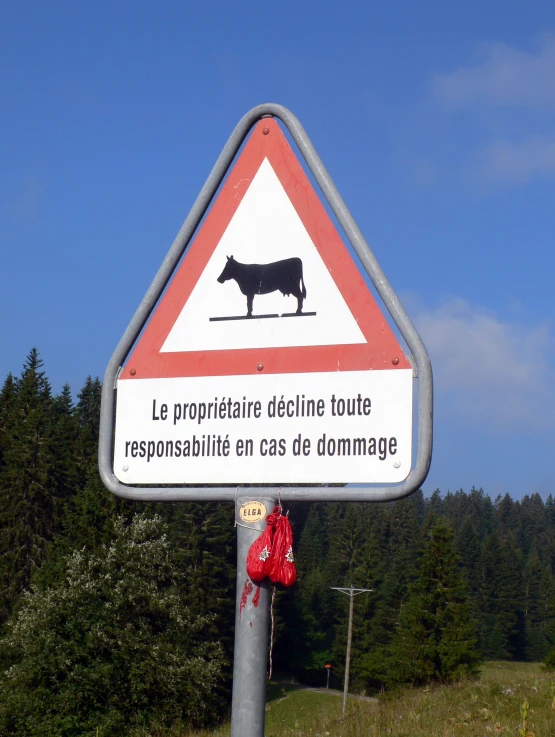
<point x="351" y="592"/>
<point x="248" y="704"/>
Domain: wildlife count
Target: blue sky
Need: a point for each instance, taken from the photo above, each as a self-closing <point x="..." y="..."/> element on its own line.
<point x="436" y="121"/>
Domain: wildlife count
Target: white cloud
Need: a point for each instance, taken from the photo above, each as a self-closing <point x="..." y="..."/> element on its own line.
<point x="518" y="163"/>
<point x="498" y="373"/>
<point x="508" y="100"/>
<point x="507" y="76"/>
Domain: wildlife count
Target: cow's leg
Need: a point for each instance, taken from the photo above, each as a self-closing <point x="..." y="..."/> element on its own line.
<point x="250" y="298"/>
<point x="299" y="304"/>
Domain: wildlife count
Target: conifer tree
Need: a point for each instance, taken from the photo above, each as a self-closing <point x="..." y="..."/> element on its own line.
<point x="397" y="572"/>
<point x="64" y="432"/>
<point x="435" y="503"/>
<point x="307" y="632"/>
<point x="436" y="638"/>
<point x="89" y="508"/>
<point x="312" y="546"/>
<point x="369" y="573"/>
<point x="87" y="525"/>
<point x="454" y="508"/>
<point x="550" y="509"/>
<point x="499" y="598"/>
<point x="348" y="533"/>
<point x="203" y="537"/>
<point x="349" y="548"/>
<point x="480" y="511"/>
<point x="539" y="591"/>
<point x="7" y="401"/>
<point x="430" y="521"/>
<point x="419" y="505"/>
<point x="87" y="415"/>
<point x="533" y="521"/>
<point x="550" y="659"/>
<point x="468" y="548"/>
<point x="28" y="502"/>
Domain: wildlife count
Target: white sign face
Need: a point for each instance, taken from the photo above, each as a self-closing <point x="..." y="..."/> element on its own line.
<point x="343" y="427"/>
<point x="265" y="229"/>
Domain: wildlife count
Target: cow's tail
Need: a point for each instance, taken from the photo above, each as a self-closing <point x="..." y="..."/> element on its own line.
<point x="303" y="286"/>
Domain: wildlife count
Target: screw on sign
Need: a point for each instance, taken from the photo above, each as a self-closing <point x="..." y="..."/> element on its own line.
<point x="272" y="367"/>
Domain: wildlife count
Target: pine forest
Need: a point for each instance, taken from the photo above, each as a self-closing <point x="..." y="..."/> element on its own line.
<point x="118" y="616"/>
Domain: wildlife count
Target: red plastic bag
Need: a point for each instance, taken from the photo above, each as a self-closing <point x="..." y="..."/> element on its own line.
<point x="260" y="551"/>
<point x="281" y="565"/>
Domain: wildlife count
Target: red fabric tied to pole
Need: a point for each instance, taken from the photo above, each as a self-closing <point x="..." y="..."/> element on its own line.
<point x="261" y="549"/>
<point x="281" y="566"/>
<point x="272" y="554"/>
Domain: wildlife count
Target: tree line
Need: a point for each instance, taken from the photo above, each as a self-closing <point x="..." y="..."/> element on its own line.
<point x="117" y="616"/>
<point x="459" y="570"/>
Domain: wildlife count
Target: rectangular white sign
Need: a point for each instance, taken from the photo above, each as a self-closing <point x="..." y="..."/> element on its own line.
<point x="343" y="427"/>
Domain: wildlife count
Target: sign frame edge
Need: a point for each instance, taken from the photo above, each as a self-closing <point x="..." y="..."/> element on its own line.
<point x="422" y="363"/>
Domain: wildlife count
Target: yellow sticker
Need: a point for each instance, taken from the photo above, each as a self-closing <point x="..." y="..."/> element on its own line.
<point x="252" y="512"/>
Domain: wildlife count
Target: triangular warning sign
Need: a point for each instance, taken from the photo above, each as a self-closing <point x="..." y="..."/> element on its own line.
<point x="267" y="359"/>
<point x="267" y="282"/>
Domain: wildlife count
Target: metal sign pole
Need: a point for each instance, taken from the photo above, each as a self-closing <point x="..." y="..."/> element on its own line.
<point x="250" y="652"/>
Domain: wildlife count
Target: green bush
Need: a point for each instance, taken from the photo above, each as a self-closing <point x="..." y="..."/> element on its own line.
<point x="112" y="648"/>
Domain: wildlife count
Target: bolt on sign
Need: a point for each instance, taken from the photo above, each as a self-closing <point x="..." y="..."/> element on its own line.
<point x="267" y="359"/>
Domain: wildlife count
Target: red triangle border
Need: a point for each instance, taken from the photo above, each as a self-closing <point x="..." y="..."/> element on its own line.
<point x="381" y="352"/>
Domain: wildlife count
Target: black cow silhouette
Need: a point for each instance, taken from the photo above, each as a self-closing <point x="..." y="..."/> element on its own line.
<point x="286" y="275"/>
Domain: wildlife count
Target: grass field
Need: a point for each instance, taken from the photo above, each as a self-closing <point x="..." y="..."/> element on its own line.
<point x="494" y="704"/>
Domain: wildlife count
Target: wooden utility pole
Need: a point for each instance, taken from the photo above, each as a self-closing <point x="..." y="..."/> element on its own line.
<point x="351" y="592"/>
